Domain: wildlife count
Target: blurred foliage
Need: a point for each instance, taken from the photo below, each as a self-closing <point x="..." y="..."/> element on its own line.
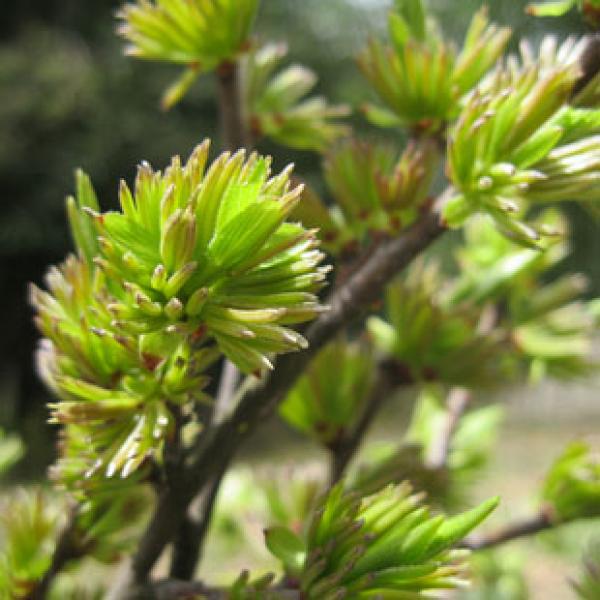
<point x="498" y="575"/>
<point x="587" y="587"/>
<point x="470" y="449"/>
<point x="12" y="450"/>
<point x="500" y="318"/>
<point x="277" y="105"/>
<point x="434" y="342"/>
<point x="558" y="8"/>
<point x="472" y="443"/>
<point x="572" y="485"/>
<point x="326" y="402"/>
<point x="29" y="527"/>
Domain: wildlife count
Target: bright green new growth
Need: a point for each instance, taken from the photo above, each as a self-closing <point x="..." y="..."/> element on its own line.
<point x="572" y="486"/>
<point x="421" y="78"/>
<point x="326" y="401"/>
<point x="558" y="8"/>
<point x="386" y="545"/>
<point x="201" y="34"/>
<point x="198" y="33"/>
<point x="452" y="329"/>
<point x="553" y="8"/>
<point x="200" y="262"/>
<point x="518" y="142"/>
<point x="433" y="341"/>
<point x="30" y="522"/>
<point x="277" y="106"/>
<point x="547" y="326"/>
<point x="207" y="255"/>
<point x="377" y="191"/>
<point x="587" y="587"/>
<point x="28" y="529"/>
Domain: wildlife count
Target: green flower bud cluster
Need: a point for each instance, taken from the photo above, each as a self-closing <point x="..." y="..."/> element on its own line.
<point x="517" y="142"/>
<point x="420" y="77"/>
<point x="325" y="402"/>
<point x="112" y="395"/>
<point x="451" y="329"/>
<point x="572" y="486"/>
<point x="434" y="341"/>
<point x="548" y="327"/>
<point x="197" y="264"/>
<point x="208" y="255"/>
<point x="376" y="191"/>
<point x="203" y="35"/>
<point x="277" y="106"/>
<point x="198" y="33"/>
<point x="379" y="546"/>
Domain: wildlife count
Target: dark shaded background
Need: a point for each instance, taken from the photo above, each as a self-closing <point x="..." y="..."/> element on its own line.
<point x="69" y="98"/>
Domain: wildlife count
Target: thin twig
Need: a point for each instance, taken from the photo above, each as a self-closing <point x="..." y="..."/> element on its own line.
<point x="344" y="449"/>
<point x="535" y="524"/>
<point x="457" y="402"/>
<point x="234" y="132"/>
<point x="257" y="402"/>
<point x="189" y="543"/>
<point x="173" y="589"/>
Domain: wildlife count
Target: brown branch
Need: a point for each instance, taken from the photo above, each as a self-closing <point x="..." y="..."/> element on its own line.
<point x="173" y="589"/>
<point x="457" y="402"/>
<point x="189" y="543"/>
<point x="234" y="132"/>
<point x="535" y="524"/>
<point x="344" y="449"/>
<point x="257" y="402"/>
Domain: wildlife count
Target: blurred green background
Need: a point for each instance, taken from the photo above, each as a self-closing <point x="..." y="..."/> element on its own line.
<point x="68" y="98"/>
